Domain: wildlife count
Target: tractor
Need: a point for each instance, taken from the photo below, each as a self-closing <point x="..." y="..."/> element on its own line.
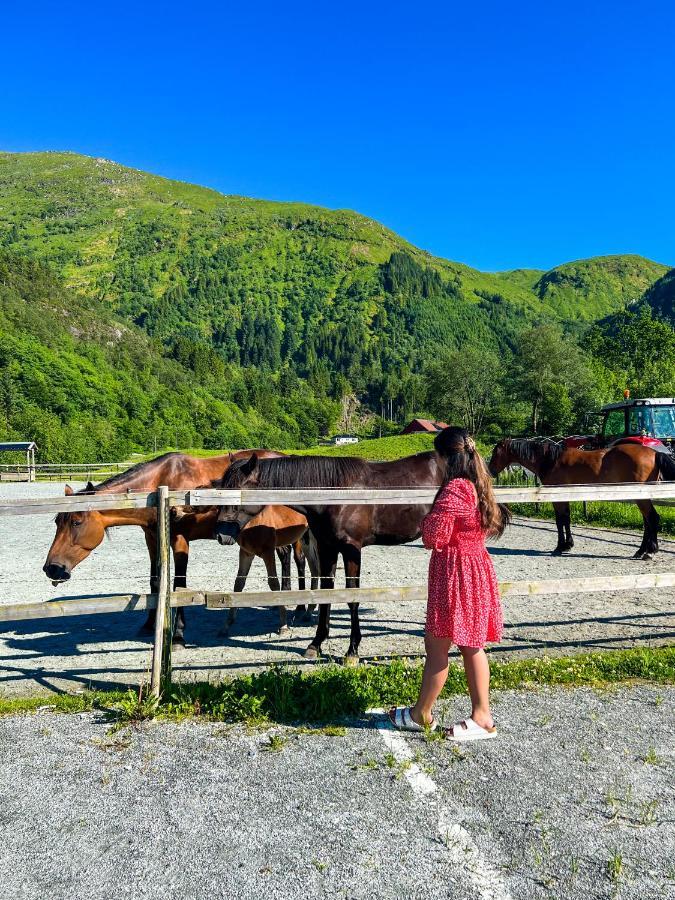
<point x="650" y="421"/>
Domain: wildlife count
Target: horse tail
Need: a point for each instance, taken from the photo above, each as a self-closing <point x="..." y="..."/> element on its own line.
<point x="665" y="466"/>
<point x="311" y="549"/>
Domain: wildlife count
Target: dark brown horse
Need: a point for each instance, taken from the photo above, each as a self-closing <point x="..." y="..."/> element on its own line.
<point x="78" y="533"/>
<point x="554" y="464"/>
<point x="336" y="530"/>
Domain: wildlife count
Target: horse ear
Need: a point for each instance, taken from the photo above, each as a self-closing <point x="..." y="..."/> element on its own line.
<point x="250" y="467"/>
<point x="89" y="489"/>
<point x="69" y="491"/>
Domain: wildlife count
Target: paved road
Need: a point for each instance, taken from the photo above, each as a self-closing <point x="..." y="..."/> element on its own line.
<point x="95" y="650"/>
<point x="574" y="800"/>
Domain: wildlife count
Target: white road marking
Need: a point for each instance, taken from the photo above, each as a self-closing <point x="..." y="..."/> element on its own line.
<point x="485" y="879"/>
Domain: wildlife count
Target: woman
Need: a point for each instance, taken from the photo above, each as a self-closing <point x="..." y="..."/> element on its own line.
<point x="463" y="605"/>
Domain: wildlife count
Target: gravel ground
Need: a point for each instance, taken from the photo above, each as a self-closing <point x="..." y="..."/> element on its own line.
<point x="106" y="649"/>
<point x="578" y="784"/>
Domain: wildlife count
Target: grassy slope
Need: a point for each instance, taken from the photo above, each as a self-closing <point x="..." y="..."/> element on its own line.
<point x="386" y="448"/>
<point x="590" y="289"/>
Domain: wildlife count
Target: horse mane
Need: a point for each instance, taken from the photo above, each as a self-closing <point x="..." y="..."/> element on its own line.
<point x="122" y="477"/>
<point x="302" y="472"/>
<point x="535" y="450"/>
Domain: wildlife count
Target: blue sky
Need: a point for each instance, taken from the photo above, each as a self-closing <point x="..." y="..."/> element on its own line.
<point x="500" y="135"/>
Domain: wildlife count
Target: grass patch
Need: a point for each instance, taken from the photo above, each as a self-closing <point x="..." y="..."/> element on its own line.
<point x="331" y="692"/>
<point x="600" y="514"/>
<point x="62" y="703"/>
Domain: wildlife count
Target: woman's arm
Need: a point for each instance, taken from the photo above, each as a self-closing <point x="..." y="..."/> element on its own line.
<point x="438" y="525"/>
<point x="458" y="498"/>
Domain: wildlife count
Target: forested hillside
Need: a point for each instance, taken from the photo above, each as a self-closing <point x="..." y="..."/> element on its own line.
<point x="86" y="386"/>
<point x="285" y="315"/>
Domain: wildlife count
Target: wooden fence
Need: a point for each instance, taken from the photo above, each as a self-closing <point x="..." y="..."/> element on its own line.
<point x="163" y="499"/>
<point x="60" y="471"/>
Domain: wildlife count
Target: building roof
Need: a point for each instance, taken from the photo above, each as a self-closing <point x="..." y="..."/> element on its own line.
<point x="18" y="445"/>
<point x="428" y="425"/>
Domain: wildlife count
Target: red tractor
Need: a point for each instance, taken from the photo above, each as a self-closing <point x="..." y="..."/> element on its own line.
<point x="650" y="422"/>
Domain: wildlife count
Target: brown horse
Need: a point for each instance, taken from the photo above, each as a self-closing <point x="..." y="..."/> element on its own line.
<point x="337" y="530"/>
<point x="78" y="533"/>
<point x="554" y="464"/>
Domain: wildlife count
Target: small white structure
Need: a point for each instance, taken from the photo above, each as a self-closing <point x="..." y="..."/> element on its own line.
<point x="345" y="439"/>
<point x="27" y="447"/>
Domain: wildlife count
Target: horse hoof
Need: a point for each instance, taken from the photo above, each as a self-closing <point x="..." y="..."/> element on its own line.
<point x="648" y="556"/>
<point x="311" y="653"/>
<point x="351" y="660"/>
<point x="639" y="555"/>
<point x="284" y="629"/>
<point x="178" y="642"/>
<point x="557" y="552"/>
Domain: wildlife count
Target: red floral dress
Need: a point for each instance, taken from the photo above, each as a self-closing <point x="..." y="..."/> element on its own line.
<point x="463" y="602"/>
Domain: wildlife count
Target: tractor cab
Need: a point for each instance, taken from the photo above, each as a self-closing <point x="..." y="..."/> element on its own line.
<point x="650" y="421"/>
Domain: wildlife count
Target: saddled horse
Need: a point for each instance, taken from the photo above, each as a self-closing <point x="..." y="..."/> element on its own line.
<point x="78" y="533"/>
<point x="336" y="530"/>
<point x="554" y="464"/>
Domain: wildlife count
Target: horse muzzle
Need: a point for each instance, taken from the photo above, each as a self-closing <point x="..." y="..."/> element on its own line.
<point x="56" y="573"/>
<point x="227" y="533"/>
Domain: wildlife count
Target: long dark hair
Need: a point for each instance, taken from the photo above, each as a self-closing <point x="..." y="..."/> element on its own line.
<point x="461" y="460"/>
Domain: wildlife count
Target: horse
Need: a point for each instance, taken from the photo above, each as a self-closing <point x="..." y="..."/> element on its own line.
<point x="336" y="530"/>
<point x="78" y="533"/>
<point x="554" y="464"/>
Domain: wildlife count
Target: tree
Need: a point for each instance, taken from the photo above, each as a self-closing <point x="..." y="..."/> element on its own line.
<point x="463" y="386"/>
<point x="641" y="347"/>
<point x="553" y="375"/>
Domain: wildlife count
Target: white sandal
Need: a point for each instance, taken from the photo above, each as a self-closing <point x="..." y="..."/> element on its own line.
<point x="402" y="720"/>
<point x="468" y="730"/>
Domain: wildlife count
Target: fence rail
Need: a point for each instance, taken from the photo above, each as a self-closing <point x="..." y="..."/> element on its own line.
<point x="620" y="492"/>
<point x="165" y="599"/>
<point x="59" y="471"/>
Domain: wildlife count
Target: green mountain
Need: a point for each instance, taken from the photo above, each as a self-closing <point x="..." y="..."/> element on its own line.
<point x="260" y="303"/>
<point x="87" y="386"/>
<point x="660" y="297"/>
<point x="592" y="288"/>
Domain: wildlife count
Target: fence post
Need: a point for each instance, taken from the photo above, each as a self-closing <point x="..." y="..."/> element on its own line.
<point x="161" y="657"/>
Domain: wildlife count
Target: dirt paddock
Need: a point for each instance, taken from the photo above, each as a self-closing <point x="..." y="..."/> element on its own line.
<point x="78" y="652"/>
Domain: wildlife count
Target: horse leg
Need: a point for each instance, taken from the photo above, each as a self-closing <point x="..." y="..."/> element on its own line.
<point x="327" y="564"/>
<point x="245" y="563"/>
<point x="302" y="613"/>
<point x="311" y="552"/>
<point x="273" y="582"/>
<point x="181" y="554"/>
<point x="650" y="538"/>
<point x="148" y="627"/>
<point x="284" y="554"/>
<point x="300" y="564"/>
<point x="352" y="560"/>
<point x="559" y="509"/>
<point x="569" y="540"/>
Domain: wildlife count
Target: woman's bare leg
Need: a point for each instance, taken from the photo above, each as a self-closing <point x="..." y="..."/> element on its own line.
<point x="477" y="671"/>
<point x="433" y="679"/>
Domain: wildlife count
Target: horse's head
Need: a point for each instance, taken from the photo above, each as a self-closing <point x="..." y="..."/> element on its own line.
<point x="231" y="519"/>
<point x="77" y="534"/>
<point x="501" y="457"/>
